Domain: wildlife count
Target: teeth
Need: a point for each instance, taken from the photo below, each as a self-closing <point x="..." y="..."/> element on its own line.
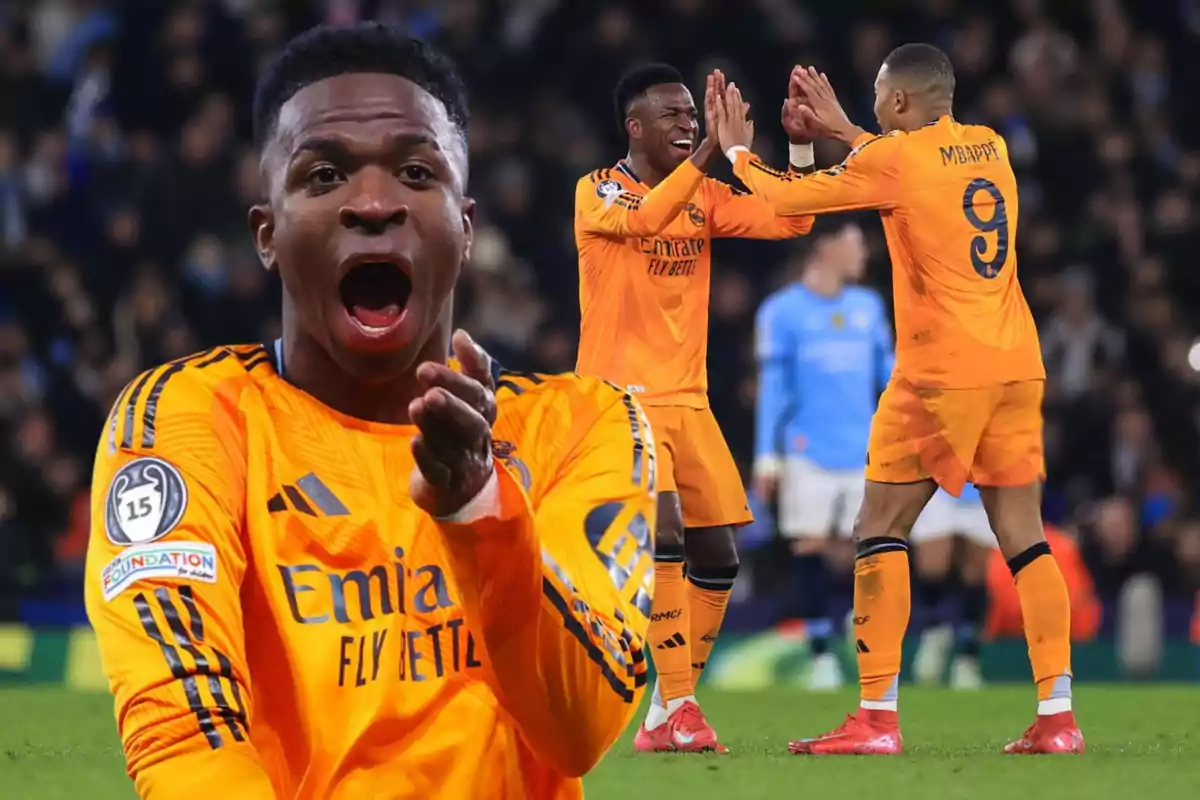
<point x="372" y="329"/>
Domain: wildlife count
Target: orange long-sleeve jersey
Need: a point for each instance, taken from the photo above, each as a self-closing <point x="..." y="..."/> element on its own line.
<point x="277" y="619"/>
<point x="645" y="270"/>
<point x="948" y="200"/>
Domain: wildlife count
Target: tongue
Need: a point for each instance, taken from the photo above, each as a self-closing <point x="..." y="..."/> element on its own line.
<point x="381" y="317"/>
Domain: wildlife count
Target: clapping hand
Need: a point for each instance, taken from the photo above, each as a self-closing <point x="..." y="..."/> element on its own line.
<point x="454" y="416"/>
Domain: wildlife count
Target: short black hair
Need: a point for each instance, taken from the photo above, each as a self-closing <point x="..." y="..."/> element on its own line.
<point x="327" y="51"/>
<point x="636" y="82"/>
<point x="925" y="65"/>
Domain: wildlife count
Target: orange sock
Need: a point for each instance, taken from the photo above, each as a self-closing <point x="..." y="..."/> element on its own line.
<point x="882" y="602"/>
<point x="670" y="627"/>
<point x="708" y="597"/>
<point x="1046" y="610"/>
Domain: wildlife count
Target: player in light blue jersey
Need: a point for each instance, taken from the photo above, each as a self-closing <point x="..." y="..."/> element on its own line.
<point x="953" y="542"/>
<point x="825" y="353"/>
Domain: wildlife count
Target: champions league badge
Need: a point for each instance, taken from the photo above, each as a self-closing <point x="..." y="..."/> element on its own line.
<point x="146" y="500"/>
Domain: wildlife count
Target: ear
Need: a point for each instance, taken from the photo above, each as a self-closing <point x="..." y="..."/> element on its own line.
<point x="900" y="101"/>
<point x="468" y="221"/>
<point x="262" y="228"/>
<point x="633" y="127"/>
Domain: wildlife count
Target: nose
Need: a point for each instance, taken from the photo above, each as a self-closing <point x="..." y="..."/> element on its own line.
<point x="376" y="205"/>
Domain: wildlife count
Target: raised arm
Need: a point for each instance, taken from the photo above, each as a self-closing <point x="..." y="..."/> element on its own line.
<point x="603" y="206"/>
<point x="164" y="572"/>
<point x="865" y="180"/>
<point x="748" y="216"/>
<point x="561" y="593"/>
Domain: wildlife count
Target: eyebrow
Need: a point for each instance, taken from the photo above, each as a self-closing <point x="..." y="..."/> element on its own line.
<point x="334" y="147"/>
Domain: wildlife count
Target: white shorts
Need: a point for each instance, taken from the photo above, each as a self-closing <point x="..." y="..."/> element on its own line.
<point x="815" y="501"/>
<point x="945" y="516"/>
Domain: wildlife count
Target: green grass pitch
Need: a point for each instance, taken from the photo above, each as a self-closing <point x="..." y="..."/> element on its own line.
<point x="1143" y="742"/>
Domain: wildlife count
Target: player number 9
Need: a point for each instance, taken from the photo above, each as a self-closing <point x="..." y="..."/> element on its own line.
<point x="997" y="224"/>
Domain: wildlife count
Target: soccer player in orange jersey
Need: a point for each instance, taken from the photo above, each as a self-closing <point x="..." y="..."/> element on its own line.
<point x="964" y="402"/>
<point x="334" y="566"/>
<point x="644" y="229"/>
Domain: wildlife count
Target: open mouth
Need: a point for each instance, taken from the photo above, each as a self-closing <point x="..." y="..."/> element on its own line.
<point x="375" y="294"/>
<point x="683" y="145"/>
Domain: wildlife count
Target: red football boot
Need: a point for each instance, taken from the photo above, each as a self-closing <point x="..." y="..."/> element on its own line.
<point x="868" y="732"/>
<point x="1050" y="734"/>
<point x="657" y="740"/>
<point x="691" y="733"/>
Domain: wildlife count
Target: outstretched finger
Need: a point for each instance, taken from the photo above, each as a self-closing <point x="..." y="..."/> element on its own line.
<point x="719" y="81"/>
<point x="809" y="82"/>
<point x="733" y="101"/>
<point x="740" y="108"/>
<point x="476" y="363"/>
<point x="720" y="107"/>
<point x="710" y="100"/>
<point x="795" y="87"/>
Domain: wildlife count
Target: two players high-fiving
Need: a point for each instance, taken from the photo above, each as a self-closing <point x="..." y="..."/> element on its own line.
<point x="810" y="111"/>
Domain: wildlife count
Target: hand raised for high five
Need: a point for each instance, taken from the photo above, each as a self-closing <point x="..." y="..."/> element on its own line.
<point x="797" y="116"/>
<point x="828" y="118"/>
<point x="734" y="126"/>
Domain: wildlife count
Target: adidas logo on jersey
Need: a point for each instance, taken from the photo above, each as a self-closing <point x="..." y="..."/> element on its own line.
<point x="309" y="496"/>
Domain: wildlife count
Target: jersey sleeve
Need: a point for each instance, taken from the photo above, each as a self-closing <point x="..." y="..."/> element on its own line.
<point x="748" y="216"/>
<point x="164" y="569"/>
<point x="603" y="206"/>
<point x="775" y="341"/>
<point x="561" y="591"/>
<point x="865" y="180"/>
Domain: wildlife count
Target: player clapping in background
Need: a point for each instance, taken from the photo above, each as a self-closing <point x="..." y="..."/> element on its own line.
<point x="644" y="229"/>
<point x="965" y="399"/>
<point x="307" y="573"/>
<point x="825" y="354"/>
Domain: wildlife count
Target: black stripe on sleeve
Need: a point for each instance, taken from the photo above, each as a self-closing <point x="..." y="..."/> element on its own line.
<point x="191" y="646"/>
<point x="191" y="689"/>
<point x="624" y="688"/>
<point x="131" y="407"/>
<point x="150" y="413"/>
<point x="635" y="431"/>
<point x="224" y="665"/>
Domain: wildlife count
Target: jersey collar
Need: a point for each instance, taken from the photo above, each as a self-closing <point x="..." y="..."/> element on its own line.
<point x="623" y="167"/>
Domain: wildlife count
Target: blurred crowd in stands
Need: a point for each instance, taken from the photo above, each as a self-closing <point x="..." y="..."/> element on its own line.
<point x="126" y="168"/>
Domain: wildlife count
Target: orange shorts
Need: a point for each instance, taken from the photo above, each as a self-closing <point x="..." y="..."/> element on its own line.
<point x="694" y="461"/>
<point x="991" y="436"/>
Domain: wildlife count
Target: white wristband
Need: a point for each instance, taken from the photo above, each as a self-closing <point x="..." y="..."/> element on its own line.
<point x="732" y="152"/>
<point x="801" y="155"/>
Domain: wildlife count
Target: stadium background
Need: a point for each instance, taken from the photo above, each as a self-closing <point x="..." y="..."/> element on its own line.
<point x="125" y="171"/>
